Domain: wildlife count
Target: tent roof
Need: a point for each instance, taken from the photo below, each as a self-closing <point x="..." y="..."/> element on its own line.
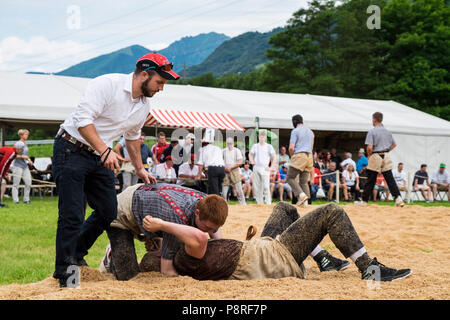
<point x="49" y="98"/>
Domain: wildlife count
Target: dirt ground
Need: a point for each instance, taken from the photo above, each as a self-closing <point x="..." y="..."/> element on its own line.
<point x="412" y="237"/>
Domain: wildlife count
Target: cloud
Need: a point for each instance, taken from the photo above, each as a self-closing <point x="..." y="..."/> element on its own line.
<point x="40" y="54"/>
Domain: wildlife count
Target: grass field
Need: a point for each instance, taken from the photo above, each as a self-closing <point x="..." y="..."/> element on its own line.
<point x="27" y="240"/>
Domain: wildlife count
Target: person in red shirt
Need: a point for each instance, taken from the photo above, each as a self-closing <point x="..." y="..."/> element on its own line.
<point x="159" y="148"/>
<point x="7" y="155"/>
<point x="380" y="185"/>
<point x="315" y="183"/>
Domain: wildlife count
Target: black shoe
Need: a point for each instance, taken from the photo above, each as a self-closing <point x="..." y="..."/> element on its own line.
<point x="327" y="262"/>
<point x="385" y="273"/>
<point x="2" y="205"/>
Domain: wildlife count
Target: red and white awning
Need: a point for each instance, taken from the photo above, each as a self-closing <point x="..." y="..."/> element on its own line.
<point x="191" y="119"/>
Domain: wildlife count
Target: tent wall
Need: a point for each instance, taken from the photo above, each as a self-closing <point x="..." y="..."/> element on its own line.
<point x="413" y="150"/>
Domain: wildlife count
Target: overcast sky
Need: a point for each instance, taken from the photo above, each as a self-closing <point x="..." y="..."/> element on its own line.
<point x="51" y="35"/>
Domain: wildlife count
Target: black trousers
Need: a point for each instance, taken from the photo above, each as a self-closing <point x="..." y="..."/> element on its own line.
<point x="372" y="179"/>
<point x="80" y="177"/>
<point x="215" y="179"/>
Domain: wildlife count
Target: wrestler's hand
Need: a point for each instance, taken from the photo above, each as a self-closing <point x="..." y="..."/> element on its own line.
<point x="110" y="160"/>
<point x="152" y="224"/>
<point x="146" y="177"/>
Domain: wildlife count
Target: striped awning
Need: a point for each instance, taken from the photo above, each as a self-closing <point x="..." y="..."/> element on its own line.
<point x="191" y="119"/>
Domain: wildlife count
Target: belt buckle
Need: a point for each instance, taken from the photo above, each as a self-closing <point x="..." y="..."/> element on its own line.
<point x="72" y="140"/>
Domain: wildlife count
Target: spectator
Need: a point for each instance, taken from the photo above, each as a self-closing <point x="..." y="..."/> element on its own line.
<point x="315" y="183"/>
<point x="211" y="157"/>
<point x="329" y="180"/>
<point x="261" y="154"/>
<point x="440" y="182"/>
<point x="188" y="147"/>
<point x="159" y="148"/>
<point x="233" y="159"/>
<point x="247" y="180"/>
<point x="274" y="182"/>
<point x="145" y="153"/>
<point x="348" y="160"/>
<point x="322" y="161"/>
<point x="283" y="185"/>
<point x="380" y="185"/>
<point x="326" y="161"/>
<point x="187" y="175"/>
<point x="283" y="157"/>
<point x="176" y="152"/>
<point x="7" y="156"/>
<point x="400" y="177"/>
<point x="334" y="157"/>
<point x="129" y="176"/>
<point x="362" y="161"/>
<point x="20" y="169"/>
<point x="165" y="171"/>
<point x="422" y="183"/>
<point x="350" y="181"/>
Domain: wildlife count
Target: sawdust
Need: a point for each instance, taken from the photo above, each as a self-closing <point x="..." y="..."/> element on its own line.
<point x="412" y="237"/>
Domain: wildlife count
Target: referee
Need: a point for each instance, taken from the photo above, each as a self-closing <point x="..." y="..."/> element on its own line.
<point x="379" y="143"/>
<point x="83" y="162"/>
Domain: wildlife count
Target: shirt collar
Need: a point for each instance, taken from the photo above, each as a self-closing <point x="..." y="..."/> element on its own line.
<point x="128" y="87"/>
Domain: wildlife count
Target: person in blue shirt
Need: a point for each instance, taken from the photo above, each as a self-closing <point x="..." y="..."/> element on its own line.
<point x="362" y="161"/>
<point x="283" y="185"/>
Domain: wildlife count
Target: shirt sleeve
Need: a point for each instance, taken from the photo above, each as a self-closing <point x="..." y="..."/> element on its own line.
<point x="200" y="157"/>
<point x="369" y="138"/>
<point x="170" y="246"/>
<point x="94" y="99"/>
<point x="293" y="138"/>
<point x="239" y="155"/>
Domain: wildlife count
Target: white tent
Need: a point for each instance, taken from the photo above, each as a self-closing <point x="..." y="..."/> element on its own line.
<point x="421" y="138"/>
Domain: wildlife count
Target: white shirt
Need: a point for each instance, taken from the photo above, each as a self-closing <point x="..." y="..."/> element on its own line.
<point x="232" y="157"/>
<point x="261" y="154"/>
<point x="107" y="103"/>
<point x="348" y="161"/>
<point x="350" y="181"/>
<point x="185" y="169"/>
<point x="247" y="174"/>
<point x="440" y="178"/>
<point x="164" y="172"/>
<point x="211" y="155"/>
<point x="399" y="177"/>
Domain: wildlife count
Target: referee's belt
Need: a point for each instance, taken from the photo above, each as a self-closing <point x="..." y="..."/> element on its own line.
<point x="63" y="134"/>
<point x="381" y="152"/>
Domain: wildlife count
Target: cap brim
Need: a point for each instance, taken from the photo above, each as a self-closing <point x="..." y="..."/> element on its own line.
<point x="169" y="75"/>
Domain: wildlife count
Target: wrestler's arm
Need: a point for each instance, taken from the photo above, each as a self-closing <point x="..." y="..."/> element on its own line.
<point x="195" y="240"/>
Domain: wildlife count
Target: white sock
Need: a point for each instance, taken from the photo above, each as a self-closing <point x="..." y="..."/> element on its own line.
<point x="316" y="251"/>
<point x="358" y="254"/>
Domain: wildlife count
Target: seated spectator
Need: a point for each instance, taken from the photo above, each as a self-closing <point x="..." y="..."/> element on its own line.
<point x="187" y="175"/>
<point x="176" y="152"/>
<point x="282" y="184"/>
<point x="326" y="162"/>
<point x="350" y="181"/>
<point x="321" y="162"/>
<point x="274" y="181"/>
<point x="165" y="171"/>
<point x="315" y="183"/>
<point x="247" y="181"/>
<point x="329" y="180"/>
<point x="362" y="161"/>
<point x="400" y="177"/>
<point x="347" y="160"/>
<point x="440" y="182"/>
<point x="283" y="157"/>
<point x="422" y="183"/>
<point x="380" y="185"/>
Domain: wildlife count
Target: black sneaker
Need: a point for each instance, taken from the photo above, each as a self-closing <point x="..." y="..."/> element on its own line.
<point x="2" y="205"/>
<point x="385" y="273"/>
<point x="327" y="262"/>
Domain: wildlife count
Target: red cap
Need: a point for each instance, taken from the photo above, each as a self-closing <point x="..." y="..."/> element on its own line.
<point x="154" y="59"/>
